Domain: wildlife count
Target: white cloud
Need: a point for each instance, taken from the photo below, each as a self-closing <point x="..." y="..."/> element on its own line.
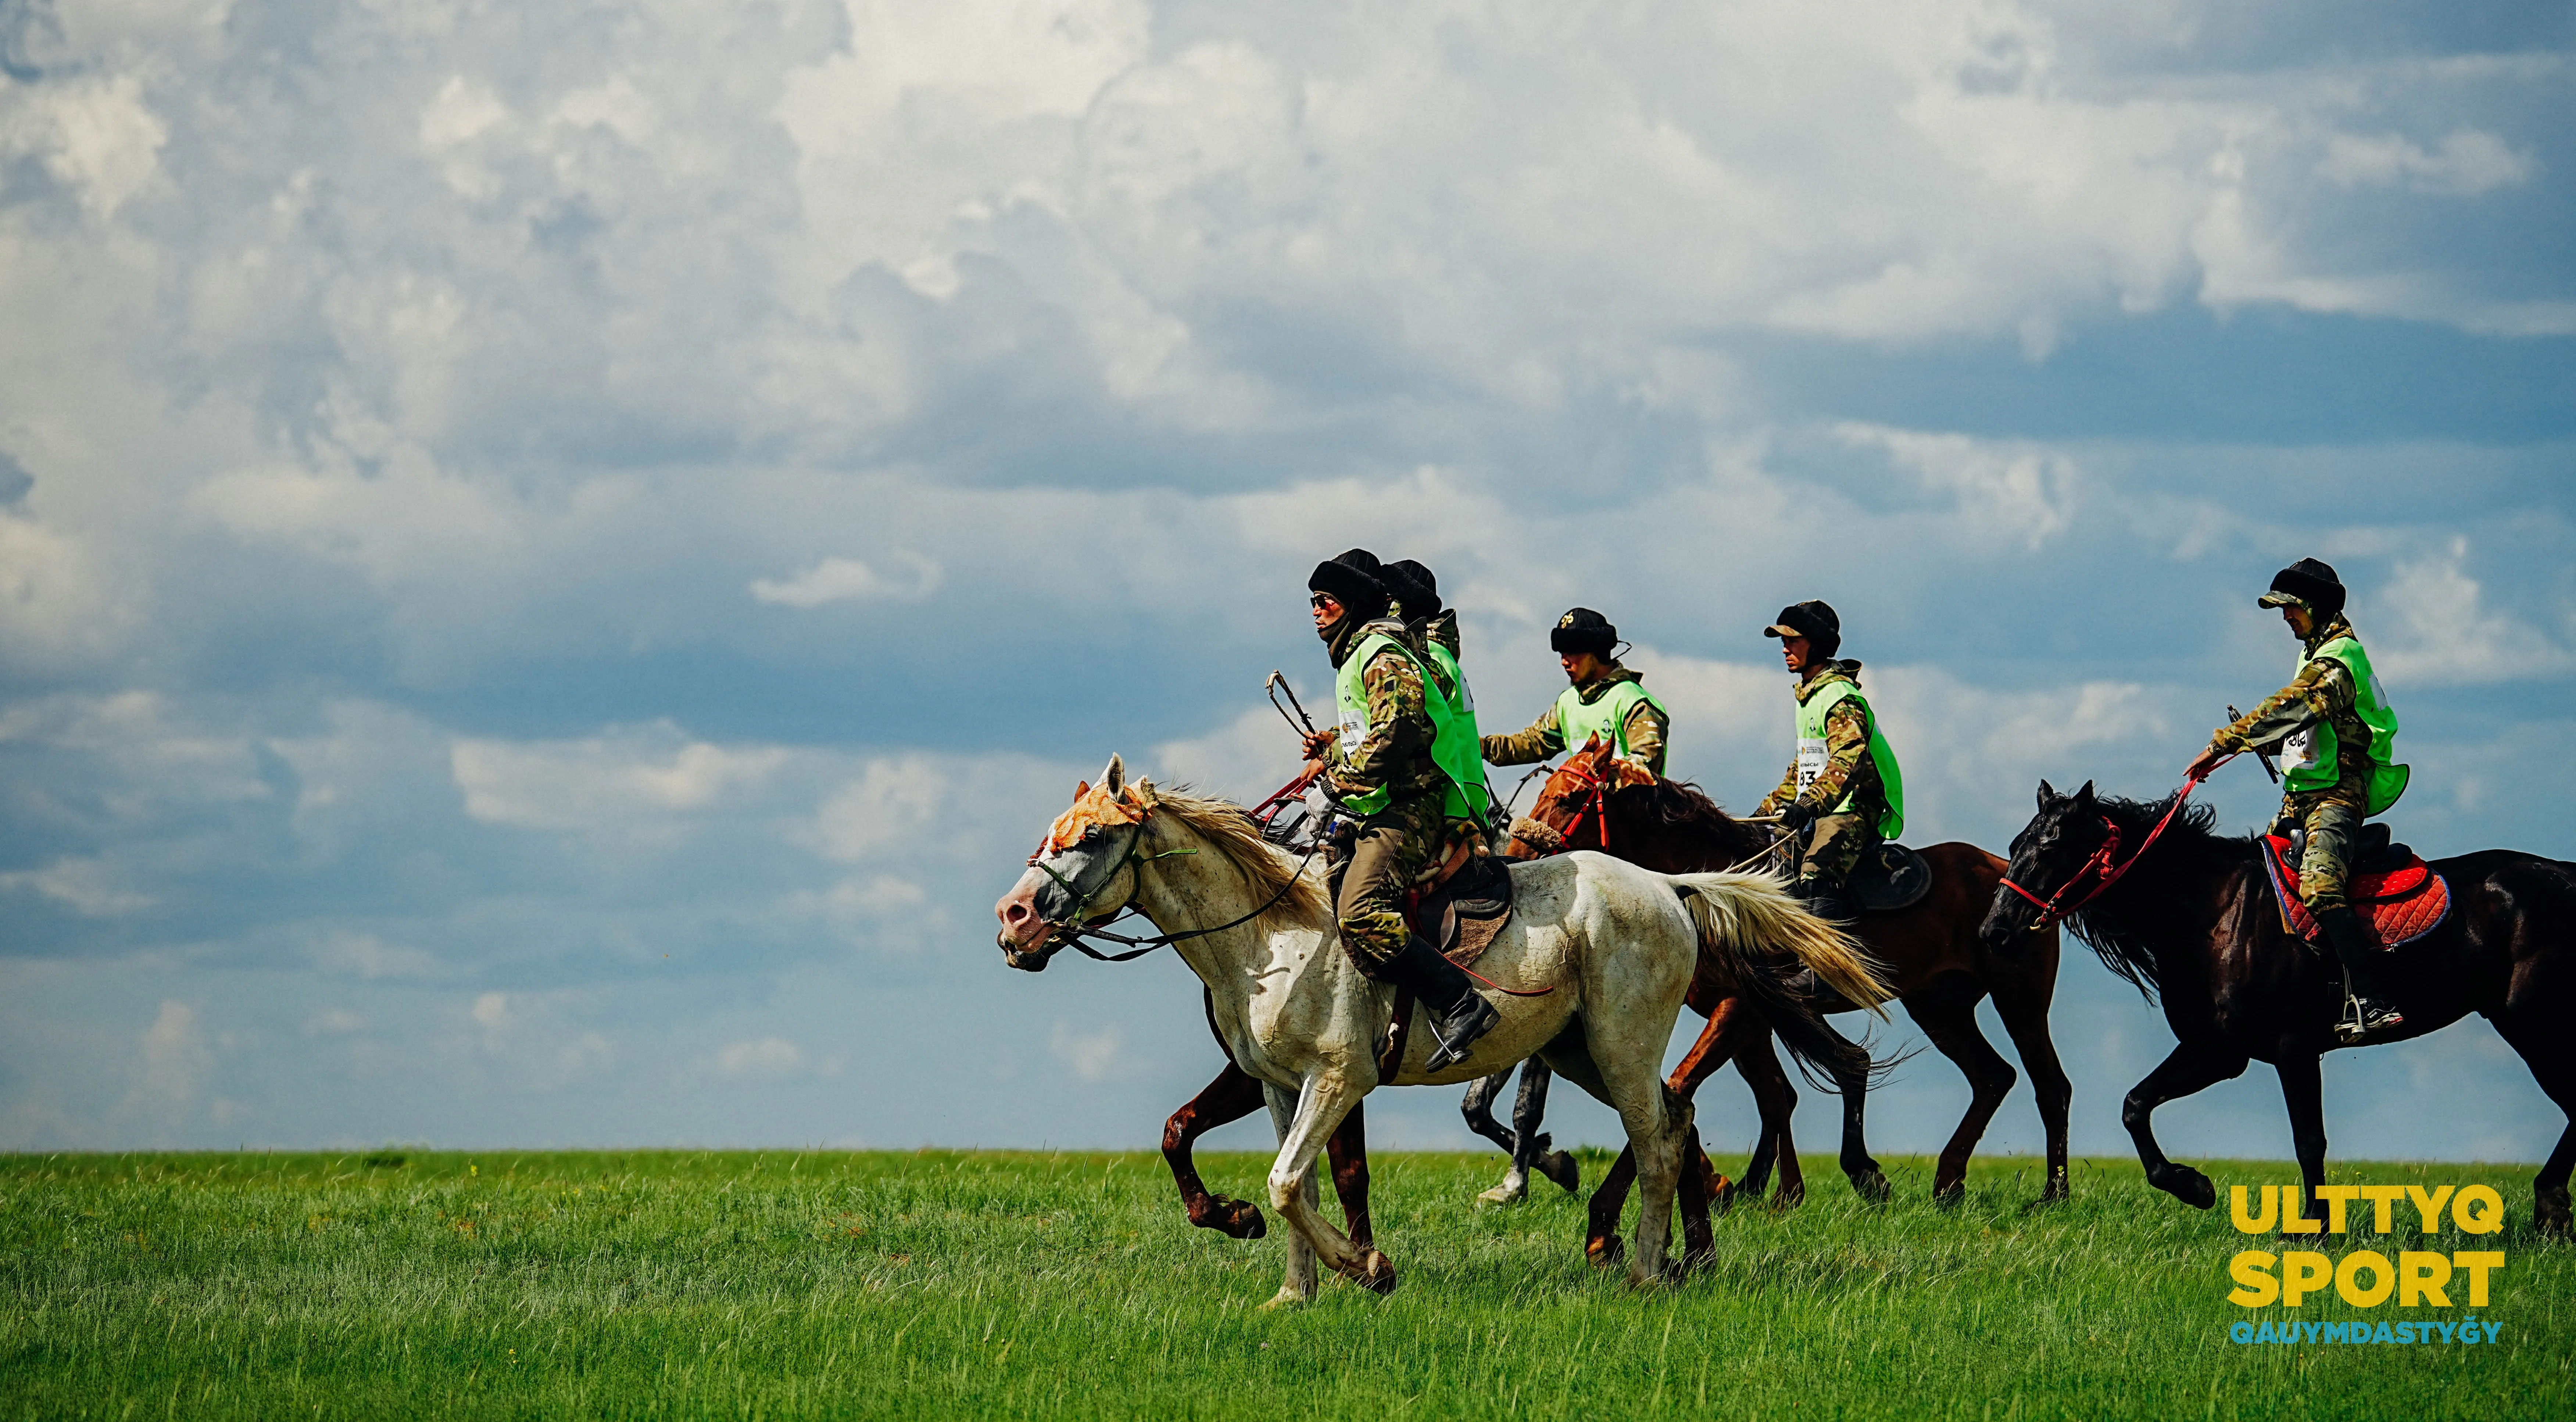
<point x="1094" y="1056"/>
<point x="334" y="1022"/>
<point x="766" y="1056"/>
<point x="168" y="1074"/>
<point x="2017" y="488"/>
<point x="603" y="782"/>
<point x="889" y="804"/>
<point x="86" y="886"/>
<point x="2468" y="162"/>
<point x="848" y="579"/>
<point x="2441" y="631"/>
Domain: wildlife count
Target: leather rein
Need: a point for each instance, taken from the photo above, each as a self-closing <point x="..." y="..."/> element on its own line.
<point x="2101" y="867"/>
<point x="1073" y="930"/>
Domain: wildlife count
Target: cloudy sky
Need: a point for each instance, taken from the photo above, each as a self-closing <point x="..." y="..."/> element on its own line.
<point x="554" y="558"/>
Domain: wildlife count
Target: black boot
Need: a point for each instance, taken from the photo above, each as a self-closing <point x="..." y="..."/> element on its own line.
<point x="1825" y="901"/>
<point x="1458" y="1016"/>
<point x="2369" y="1014"/>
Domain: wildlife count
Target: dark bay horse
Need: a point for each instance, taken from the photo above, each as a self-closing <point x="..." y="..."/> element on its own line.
<point x="2194" y="923"/>
<point x="1931" y="952"/>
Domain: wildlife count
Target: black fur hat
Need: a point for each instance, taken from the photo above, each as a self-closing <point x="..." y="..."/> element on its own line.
<point x="1352" y="578"/>
<point x="1412" y="584"/>
<point x="2307" y="582"/>
<point x="1812" y="620"/>
<point x="1583" y="630"/>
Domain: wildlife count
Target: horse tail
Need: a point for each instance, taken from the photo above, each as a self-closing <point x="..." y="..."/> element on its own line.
<point x="1742" y="917"/>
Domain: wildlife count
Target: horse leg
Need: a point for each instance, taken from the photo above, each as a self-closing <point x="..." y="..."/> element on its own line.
<point x="2554" y="1067"/>
<point x="1699" y="1241"/>
<point x="2303" y="1091"/>
<point x="1777" y="1100"/>
<point x="1530" y="1144"/>
<point x="1231" y="1097"/>
<point x="1730" y="1025"/>
<point x="1319" y="1110"/>
<point x="2195" y="1064"/>
<point x="2025" y="1016"/>
<point x="1570" y="1056"/>
<point x="1478" y="1108"/>
<point x="1946" y="1010"/>
<point x="1299" y="1285"/>
<point x="1868" y="1181"/>
<point x="1348" y="1152"/>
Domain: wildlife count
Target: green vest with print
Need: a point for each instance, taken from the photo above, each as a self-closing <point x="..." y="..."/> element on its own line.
<point x="1454" y="744"/>
<point x="1812" y="757"/>
<point x="2311" y="760"/>
<point x="1606" y="716"/>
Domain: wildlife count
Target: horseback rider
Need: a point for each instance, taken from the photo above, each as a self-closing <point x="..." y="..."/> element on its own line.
<point x="2334" y="729"/>
<point x="1602" y="698"/>
<point x="1842" y="794"/>
<point x="1431" y="630"/>
<point x="1398" y="763"/>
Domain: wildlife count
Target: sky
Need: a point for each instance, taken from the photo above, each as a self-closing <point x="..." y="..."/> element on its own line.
<point x="555" y="558"/>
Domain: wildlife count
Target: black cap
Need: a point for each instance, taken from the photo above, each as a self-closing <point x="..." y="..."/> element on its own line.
<point x="1812" y="620"/>
<point x="1352" y="578"/>
<point x="1583" y="630"/>
<point x="1412" y="584"/>
<point x="2309" y="583"/>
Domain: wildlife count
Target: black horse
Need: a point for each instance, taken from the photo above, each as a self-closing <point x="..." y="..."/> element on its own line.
<point x="2192" y="921"/>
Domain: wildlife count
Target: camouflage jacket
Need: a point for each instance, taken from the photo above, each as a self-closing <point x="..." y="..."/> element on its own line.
<point x="1847" y="761"/>
<point x="1646" y="729"/>
<point x="1395" y="751"/>
<point x="2322" y="691"/>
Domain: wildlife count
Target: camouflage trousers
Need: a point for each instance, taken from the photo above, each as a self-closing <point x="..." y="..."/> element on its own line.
<point x="1834" y="843"/>
<point x="2330" y="820"/>
<point x="1392" y="849"/>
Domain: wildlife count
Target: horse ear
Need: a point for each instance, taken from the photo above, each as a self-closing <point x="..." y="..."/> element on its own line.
<point x="1114" y="779"/>
<point x="2084" y="796"/>
<point x="2047" y="795"/>
<point x="1081" y="788"/>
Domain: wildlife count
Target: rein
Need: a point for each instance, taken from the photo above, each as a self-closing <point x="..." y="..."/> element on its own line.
<point x="2100" y="865"/>
<point x="1073" y="931"/>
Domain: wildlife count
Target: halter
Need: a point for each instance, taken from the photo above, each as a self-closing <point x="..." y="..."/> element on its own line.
<point x="2100" y="866"/>
<point x="1073" y="930"/>
<point x="1593" y="792"/>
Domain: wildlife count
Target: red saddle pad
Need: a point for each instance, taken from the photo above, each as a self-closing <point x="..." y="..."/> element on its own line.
<point x="2395" y="905"/>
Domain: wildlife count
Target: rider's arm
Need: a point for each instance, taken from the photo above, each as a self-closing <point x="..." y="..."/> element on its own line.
<point x="1846" y="746"/>
<point x="1526" y="747"/>
<point x="1397" y="727"/>
<point x="1645" y="731"/>
<point x="1781" y="795"/>
<point x="2321" y="689"/>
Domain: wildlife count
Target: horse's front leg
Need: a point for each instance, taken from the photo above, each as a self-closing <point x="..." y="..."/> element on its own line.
<point x="1299" y="1285"/>
<point x="2194" y="1064"/>
<point x="2303" y="1091"/>
<point x="1320" y="1107"/>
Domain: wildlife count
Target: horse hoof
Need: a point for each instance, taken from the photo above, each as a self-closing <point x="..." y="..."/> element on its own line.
<point x="1789" y="1197"/>
<point x="1604" y="1253"/>
<point x="1722" y="1199"/>
<point x="1558" y="1166"/>
<point x="2550" y="1213"/>
<point x="1503" y="1194"/>
<point x="1950" y="1196"/>
<point x="1235" y="1219"/>
<point x="1375" y="1274"/>
<point x="1871" y="1186"/>
<point x="1283" y="1301"/>
<point x="2191" y="1187"/>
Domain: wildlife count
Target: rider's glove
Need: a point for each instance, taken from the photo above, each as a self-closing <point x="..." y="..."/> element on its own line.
<point x="1797" y="817"/>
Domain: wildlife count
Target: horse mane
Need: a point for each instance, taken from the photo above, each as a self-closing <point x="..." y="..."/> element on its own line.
<point x="1267" y="869"/>
<point x="2124" y="943"/>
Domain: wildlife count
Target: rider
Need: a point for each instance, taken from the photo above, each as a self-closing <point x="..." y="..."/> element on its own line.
<point x="1842" y="794"/>
<point x="2335" y="731"/>
<point x="1603" y="699"/>
<point x="1394" y="763"/>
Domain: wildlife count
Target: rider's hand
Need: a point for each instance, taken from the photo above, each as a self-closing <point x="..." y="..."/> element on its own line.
<point x="1316" y="742"/>
<point x="1796" y="817"/>
<point x="1312" y="769"/>
<point x="2203" y="763"/>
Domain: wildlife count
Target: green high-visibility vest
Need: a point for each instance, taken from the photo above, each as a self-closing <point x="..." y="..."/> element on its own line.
<point x="1455" y="747"/>
<point x="1606" y="716"/>
<point x="2310" y="759"/>
<point x="1812" y="756"/>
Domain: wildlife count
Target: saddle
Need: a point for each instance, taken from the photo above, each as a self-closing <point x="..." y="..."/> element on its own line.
<point x="2394" y="893"/>
<point x="1462" y="901"/>
<point x="1889" y="877"/>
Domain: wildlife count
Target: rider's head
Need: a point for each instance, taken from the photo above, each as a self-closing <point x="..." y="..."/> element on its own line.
<point x="1583" y="640"/>
<point x="1809" y="634"/>
<point x="1412" y="586"/>
<point x="2307" y="592"/>
<point x="1344" y="585"/>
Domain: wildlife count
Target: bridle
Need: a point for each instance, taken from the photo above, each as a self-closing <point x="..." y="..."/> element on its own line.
<point x="1079" y="924"/>
<point x="1591" y="790"/>
<point x="2104" y="867"/>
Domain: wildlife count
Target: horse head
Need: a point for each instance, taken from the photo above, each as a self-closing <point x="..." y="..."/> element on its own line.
<point x="2056" y="859"/>
<point x="1075" y="876"/>
<point x="1571" y="809"/>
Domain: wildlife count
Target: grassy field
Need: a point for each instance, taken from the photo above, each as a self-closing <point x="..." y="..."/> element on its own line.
<point x="781" y="1284"/>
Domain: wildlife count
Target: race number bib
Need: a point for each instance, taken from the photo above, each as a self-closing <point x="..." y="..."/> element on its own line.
<point x="1354" y="727"/>
<point x="2299" y="751"/>
<point x="1811" y="762"/>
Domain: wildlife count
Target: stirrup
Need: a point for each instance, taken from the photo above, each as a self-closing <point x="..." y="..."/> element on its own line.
<point x="1447" y="1053"/>
<point x="2364" y="1019"/>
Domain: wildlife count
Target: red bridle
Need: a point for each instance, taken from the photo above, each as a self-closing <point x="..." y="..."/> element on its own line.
<point x="2099" y="867"/>
<point x="1594" y="790"/>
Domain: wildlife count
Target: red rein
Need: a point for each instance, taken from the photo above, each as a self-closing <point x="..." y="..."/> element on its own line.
<point x="2100" y="865"/>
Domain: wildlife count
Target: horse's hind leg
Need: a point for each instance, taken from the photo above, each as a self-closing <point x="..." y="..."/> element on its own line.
<point x="1231" y="1097"/>
<point x="1946" y="1010"/>
<point x="2553" y="1065"/>
<point x="1868" y="1181"/>
<point x="1777" y="1100"/>
<point x="1529" y="1143"/>
<point x="1478" y="1108"/>
<point x="2024" y="1011"/>
<point x="1348" y="1153"/>
<point x="2194" y="1064"/>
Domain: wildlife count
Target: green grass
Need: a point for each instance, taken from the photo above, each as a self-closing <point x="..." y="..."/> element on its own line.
<point x="780" y="1284"/>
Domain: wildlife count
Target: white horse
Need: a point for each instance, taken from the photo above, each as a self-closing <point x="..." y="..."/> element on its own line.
<point x="1616" y="943"/>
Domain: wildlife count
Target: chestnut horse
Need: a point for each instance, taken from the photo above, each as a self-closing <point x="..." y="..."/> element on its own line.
<point x="2189" y="918"/>
<point x="1930" y="952"/>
